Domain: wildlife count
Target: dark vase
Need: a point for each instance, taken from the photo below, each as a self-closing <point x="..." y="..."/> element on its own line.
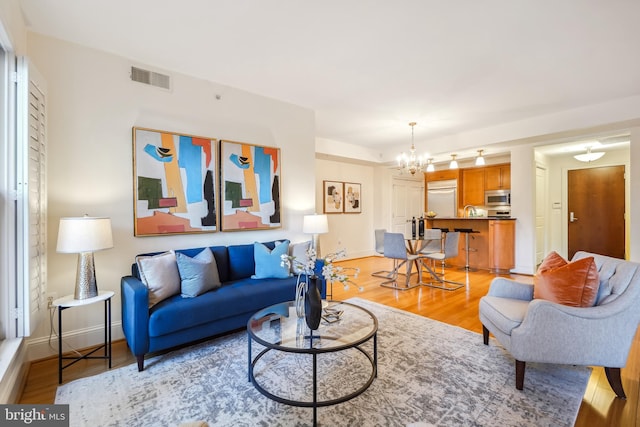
<point x="313" y="304"/>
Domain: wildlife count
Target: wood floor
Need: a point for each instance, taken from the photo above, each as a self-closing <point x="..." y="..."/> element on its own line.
<point x="599" y="406"/>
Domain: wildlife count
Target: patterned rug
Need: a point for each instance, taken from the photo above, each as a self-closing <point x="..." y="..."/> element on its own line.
<point x="429" y="374"/>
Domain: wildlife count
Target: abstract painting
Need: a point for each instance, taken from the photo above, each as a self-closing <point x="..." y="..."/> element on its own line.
<point x="175" y="181"/>
<point x="250" y="190"/>
<point x="352" y="200"/>
<point x="332" y="197"/>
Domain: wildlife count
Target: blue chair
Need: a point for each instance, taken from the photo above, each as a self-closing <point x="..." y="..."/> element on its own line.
<point x="450" y="250"/>
<point x="396" y="249"/>
<point x="379" y="236"/>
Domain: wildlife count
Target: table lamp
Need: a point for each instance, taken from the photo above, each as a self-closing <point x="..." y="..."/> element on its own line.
<point x="315" y="224"/>
<point x="84" y="236"/>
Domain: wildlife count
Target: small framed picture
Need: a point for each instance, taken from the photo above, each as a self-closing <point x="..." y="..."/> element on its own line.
<point x="332" y="197"/>
<point x="352" y="197"/>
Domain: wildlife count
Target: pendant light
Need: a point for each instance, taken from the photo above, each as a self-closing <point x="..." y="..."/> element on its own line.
<point x="430" y="167"/>
<point x="454" y="163"/>
<point x="480" y="159"/>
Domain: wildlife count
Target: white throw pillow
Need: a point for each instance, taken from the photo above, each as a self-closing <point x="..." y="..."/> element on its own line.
<point x="160" y="275"/>
<point x="299" y="251"/>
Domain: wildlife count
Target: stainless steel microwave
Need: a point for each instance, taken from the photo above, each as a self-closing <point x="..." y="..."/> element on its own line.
<point x="494" y="198"/>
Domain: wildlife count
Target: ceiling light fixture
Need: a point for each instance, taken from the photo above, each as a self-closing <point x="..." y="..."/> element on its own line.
<point x="480" y="159"/>
<point x="430" y="167"/>
<point x="411" y="163"/>
<point x="454" y="163"/>
<point x="588" y="156"/>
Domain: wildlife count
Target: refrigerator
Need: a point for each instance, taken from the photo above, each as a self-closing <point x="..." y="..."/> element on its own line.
<point x="442" y="198"/>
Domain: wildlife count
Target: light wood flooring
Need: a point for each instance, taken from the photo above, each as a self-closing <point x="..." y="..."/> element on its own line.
<point x="599" y="406"/>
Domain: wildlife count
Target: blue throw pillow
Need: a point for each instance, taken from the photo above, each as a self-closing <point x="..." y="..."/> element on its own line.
<point x="268" y="262"/>
<point x="198" y="274"/>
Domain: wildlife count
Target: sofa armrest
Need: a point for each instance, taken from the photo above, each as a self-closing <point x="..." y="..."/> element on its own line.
<point x="135" y="314"/>
<point x="507" y="288"/>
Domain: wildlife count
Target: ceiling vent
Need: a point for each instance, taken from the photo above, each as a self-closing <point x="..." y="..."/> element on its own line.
<point x="150" y="78"/>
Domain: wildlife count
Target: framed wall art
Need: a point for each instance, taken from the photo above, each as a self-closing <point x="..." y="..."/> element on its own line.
<point x="250" y="187"/>
<point x="174" y="183"/>
<point x="352" y="201"/>
<point x="332" y="197"/>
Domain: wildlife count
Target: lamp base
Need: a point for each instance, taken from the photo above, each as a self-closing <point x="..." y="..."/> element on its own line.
<point x="86" y="286"/>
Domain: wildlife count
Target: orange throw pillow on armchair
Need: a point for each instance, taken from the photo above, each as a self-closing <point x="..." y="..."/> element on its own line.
<point x="569" y="283"/>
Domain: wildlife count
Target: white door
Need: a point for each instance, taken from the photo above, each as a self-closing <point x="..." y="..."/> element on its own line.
<point x="407" y="202"/>
<point x="541" y="206"/>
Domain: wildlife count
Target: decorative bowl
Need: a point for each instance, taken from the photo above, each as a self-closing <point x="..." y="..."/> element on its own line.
<point x="431" y="214"/>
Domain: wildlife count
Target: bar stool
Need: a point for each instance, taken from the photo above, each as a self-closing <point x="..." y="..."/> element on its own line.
<point x="467" y="249"/>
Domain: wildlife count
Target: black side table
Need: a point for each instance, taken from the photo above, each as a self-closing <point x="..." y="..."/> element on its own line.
<point x="69" y="302"/>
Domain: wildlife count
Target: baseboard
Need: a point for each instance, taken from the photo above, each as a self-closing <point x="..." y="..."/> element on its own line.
<point x="14" y="367"/>
<point x="43" y="347"/>
<point x="359" y="254"/>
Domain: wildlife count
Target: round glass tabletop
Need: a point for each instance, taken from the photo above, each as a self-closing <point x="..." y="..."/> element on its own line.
<point x="344" y="325"/>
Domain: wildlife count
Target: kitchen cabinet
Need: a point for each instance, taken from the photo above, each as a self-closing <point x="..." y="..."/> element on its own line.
<point x="497" y="177"/>
<point x="473" y="185"/>
<point x="491" y="246"/>
<point x="441" y="175"/>
<point x="502" y="242"/>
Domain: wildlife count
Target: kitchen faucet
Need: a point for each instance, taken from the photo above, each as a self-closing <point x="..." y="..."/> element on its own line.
<point x="472" y="211"/>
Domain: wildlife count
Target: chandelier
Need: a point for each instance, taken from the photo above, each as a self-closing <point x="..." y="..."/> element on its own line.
<point x="411" y="163"/>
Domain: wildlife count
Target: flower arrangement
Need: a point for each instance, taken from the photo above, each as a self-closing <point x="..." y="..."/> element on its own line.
<point x="330" y="271"/>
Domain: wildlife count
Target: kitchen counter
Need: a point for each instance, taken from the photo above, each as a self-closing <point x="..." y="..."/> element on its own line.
<point x="491" y="244"/>
<point x="473" y="218"/>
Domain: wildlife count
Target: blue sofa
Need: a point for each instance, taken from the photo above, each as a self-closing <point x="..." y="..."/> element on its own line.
<point x="176" y="321"/>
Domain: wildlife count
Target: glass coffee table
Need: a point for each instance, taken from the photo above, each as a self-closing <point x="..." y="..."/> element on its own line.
<point x="277" y="328"/>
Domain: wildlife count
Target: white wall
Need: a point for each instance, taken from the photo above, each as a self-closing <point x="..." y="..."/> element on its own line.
<point x="353" y="232"/>
<point x="93" y="106"/>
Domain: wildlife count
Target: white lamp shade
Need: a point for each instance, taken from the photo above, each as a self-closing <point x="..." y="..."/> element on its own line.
<point x="589" y="156"/>
<point x="84" y="234"/>
<point x="315" y="224"/>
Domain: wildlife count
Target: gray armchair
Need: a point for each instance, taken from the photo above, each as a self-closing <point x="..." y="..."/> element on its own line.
<point x="535" y="330"/>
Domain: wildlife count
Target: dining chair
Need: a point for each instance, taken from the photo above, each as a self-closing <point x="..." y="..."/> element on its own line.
<point x="396" y="249"/>
<point x="379" y="237"/>
<point x="449" y="250"/>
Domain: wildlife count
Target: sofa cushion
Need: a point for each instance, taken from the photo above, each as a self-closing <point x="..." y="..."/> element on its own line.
<point x="241" y="261"/>
<point x="506" y="313"/>
<point x="269" y="261"/>
<point x="573" y="284"/>
<point x="160" y="274"/>
<point x="198" y="274"/>
<point x="233" y="298"/>
<point x="551" y="261"/>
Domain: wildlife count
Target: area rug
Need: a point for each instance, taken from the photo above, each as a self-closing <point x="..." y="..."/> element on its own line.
<point x="429" y="374"/>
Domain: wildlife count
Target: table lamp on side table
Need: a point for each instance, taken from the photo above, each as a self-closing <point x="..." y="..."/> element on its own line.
<point x="84" y="236"/>
<point x="315" y="224"/>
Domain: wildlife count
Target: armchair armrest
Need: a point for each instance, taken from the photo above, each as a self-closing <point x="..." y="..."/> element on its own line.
<point x="555" y="333"/>
<point x="135" y="314"/>
<point x="507" y="288"/>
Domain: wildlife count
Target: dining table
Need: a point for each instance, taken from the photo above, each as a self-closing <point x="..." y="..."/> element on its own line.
<point x="429" y="242"/>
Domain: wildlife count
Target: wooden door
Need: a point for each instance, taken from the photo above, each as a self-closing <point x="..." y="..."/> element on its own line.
<point x="596" y="211"/>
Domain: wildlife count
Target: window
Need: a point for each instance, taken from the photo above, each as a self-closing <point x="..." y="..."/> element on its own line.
<point x="22" y="194"/>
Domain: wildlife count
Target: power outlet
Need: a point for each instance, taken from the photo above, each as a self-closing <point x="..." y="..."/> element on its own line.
<point x="51" y="296"/>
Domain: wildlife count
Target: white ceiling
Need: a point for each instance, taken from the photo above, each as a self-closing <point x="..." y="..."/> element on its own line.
<point x="368" y="68"/>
